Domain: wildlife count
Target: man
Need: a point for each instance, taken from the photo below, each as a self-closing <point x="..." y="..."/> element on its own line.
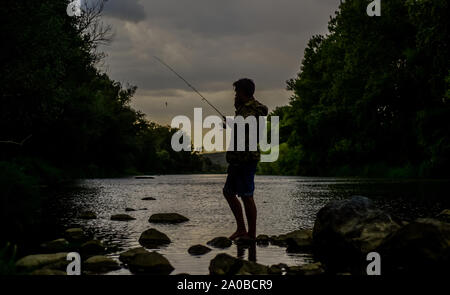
<point x="242" y="164"/>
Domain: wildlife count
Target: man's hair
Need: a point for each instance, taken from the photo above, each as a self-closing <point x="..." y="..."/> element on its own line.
<point x="246" y="86"/>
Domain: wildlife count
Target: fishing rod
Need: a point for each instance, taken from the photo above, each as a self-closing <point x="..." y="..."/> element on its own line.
<point x="189" y="84"/>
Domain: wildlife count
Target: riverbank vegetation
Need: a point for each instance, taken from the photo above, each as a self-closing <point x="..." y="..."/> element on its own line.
<point x="372" y="96"/>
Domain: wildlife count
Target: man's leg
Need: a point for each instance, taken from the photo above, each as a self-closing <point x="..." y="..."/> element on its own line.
<point x="250" y="212"/>
<point x="236" y="208"/>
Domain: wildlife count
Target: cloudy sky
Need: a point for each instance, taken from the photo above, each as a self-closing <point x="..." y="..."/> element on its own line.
<point x="212" y="43"/>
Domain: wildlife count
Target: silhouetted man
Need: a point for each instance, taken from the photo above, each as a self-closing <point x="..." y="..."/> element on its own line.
<point x="242" y="164"/>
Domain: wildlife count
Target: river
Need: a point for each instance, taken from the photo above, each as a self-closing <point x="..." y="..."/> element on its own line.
<point x="284" y="204"/>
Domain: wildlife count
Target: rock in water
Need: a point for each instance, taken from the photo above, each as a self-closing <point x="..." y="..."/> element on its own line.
<point x="262" y="240"/>
<point x="58" y="245"/>
<point x="87" y="215"/>
<point x="129" y="209"/>
<point x="198" y="250"/>
<point x="148" y="199"/>
<point x="93" y="247"/>
<point x="75" y="235"/>
<point x="310" y="269"/>
<point x="167" y="218"/>
<point x="100" y="264"/>
<point x="420" y="247"/>
<point x="150" y="263"/>
<point x="224" y="264"/>
<point x="122" y="217"/>
<point x="153" y="238"/>
<point x="296" y="241"/>
<point x="126" y="256"/>
<point x="220" y="242"/>
<point x="40" y="261"/>
<point x="345" y="230"/>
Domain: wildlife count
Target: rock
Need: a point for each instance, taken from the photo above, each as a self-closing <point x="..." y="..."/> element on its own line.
<point x="224" y="264"/>
<point x="75" y="235"/>
<point x="346" y="230"/>
<point x="122" y="217"/>
<point x="148" y="199"/>
<point x="198" y="250"/>
<point x="296" y="241"/>
<point x="58" y="245"/>
<point x="422" y="246"/>
<point x="153" y="238"/>
<point x="310" y="269"/>
<point x="150" y="263"/>
<point x="144" y="177"/>
<point x="220" y="242"/>
<point x="262" y="240"/>
<point x="142" y="209"/>
<point x="40" y="261"/>
<point x="126" y="256"/>
<point x="91" y="248"/>
<point x="167" y="218"/>
<point x="100" y="264"/>
<point x="277" y="269"/>
<point x="87" y="215"/>
<point x="444" y="216"/>
<point x="48" y="272"/>
<point x="129" y="209"/>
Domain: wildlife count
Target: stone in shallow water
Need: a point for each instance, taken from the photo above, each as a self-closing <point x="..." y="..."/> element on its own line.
<point x="39" y="261"/>
<point x="224" y="264"/>
<point x="87" y="215"/>
<point x="58" y="245"/>
<point x="148" y="199"/>
<point x="75" y="235"/>
<point x="100" y="264"/>
<point x="129" y="209"/>
<point x="150" y="263"/>
<point x="220" y="242"/>
<point x="167" y="218"/>
<point x="310" y="269"/>
<point x="262" y="240"/>
<point x="122" y="217"/>
<point x="152" y="238"/>
<point x="198" y="250"/>
<point x="126" y="256"/>
<point x="93" y="247"/>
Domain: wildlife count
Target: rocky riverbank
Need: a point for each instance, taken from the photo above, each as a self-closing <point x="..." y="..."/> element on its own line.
<point x="344" y="233"/>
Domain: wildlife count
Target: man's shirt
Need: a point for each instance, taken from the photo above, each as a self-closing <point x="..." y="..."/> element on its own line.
<point x="250" y="108"/>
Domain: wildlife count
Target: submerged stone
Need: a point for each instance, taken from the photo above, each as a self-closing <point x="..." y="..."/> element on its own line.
<point x="167" y="218"/>
<point x="220" y="242"/>
<point x="152" y="238"/>
<point x="198" y="250"/>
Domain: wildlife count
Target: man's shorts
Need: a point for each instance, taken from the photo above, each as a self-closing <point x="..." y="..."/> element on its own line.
<point x="240" y="179"/>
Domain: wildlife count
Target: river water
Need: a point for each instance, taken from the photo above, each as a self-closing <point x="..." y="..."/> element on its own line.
<point x="284" y="204"/>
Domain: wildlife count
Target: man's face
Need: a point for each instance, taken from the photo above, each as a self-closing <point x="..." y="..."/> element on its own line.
<point x="239" y="96"/>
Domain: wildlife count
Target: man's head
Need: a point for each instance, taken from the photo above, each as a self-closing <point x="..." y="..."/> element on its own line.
<point x="244" y="88"/>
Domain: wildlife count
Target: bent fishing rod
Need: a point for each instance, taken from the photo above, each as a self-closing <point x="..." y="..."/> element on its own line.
<point x="189" y="84"/>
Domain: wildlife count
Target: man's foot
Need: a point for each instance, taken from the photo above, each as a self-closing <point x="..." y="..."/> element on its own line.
<point x="238" y="234"/>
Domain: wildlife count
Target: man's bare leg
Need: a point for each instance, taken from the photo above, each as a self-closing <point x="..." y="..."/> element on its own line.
<point x="250" y="212"/>
<point x="236" y="208"/>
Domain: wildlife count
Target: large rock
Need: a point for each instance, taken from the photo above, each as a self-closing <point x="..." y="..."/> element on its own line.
<point x="306" y="269"/>
<point x="198" y="250"/>
<point x="100" y="264"/>
<point x="220" y="242"/>
<point x="224" y="264"/>
<point x="422" y="246"/>
<point x="122" y="217"/>
<point x="58" y="245"/>
<point x="39" y="261"/>
<point x="126" y="256"/>
<point x="153" y="238"/>
<point x="76" y="235"/>
<point x="150" y="263"/>
<point x="346" y="230"/>
<point x="167" y="218"/>
<point x="91" y="248"/>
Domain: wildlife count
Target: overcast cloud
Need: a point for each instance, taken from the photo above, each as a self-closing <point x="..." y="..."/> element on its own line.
<point x="211" y="43"/>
